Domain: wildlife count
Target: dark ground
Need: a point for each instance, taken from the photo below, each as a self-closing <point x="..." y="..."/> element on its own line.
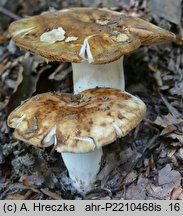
<point x="146" y="164"/>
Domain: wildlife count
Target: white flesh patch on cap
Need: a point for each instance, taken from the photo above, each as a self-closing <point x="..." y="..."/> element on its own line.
<point x="120" y="37"/>
<point x="102" y="22"/>
<point x="86" y="139"/>
<point x="88" y="52"/>
<point x="85" y="51"/>
<point x="19" y="120"/>
<point x="117" y="130"/>
<point x="65" y="10"/>
<point x="53" y="36"/>
<point x="55" y="140"/>
<point x="50" y="138"/>
<point x="26" y="31"/>
<point x="72" y="38"/>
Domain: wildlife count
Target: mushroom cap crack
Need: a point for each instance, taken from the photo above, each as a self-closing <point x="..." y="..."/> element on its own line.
<point x="77" y="123"/>
<point x="108" y="35"/>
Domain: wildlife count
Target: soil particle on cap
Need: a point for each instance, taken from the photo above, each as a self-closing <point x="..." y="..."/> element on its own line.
<point x="121" y="106"/>
<point x="120" y="116"/>
<point x="73" y="116"/>
<point x="107" y="107"/>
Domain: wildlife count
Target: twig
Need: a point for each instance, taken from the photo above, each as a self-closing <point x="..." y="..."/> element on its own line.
<point x="4" y="56"/>
<point x="152" y="125"/>
<point x="151" y="144"/>
<point x="171" y="109"/>
<point x="51" y="194"/>
<point x="61" y="72"/>
<point x="9" y="13"/>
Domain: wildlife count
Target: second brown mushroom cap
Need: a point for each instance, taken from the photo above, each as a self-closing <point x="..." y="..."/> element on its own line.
<point x="80" y="123"/>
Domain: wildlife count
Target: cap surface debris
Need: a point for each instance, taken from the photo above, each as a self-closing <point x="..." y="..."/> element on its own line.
<point x="74" y="35"/>
<point x="77" y="123"/>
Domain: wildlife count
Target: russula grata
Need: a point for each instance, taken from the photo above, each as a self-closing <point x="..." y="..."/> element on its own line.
<point x="80" y="124"/>
<point x="93" y="40"/>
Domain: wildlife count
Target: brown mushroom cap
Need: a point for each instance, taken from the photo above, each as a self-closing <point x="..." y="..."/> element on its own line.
<point x="77" y="123"/>
<point x="109" y="34"/>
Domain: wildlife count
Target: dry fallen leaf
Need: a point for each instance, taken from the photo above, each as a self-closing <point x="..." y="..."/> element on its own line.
<point x="130" y="177"/>
<point x="171" y="152"/>
<point x="138" y="191"/>
<point x="172" y="127"/>
<point x="176" y="136"/>
<point x="2" y="68"/>
<point x="15" y="197"/>
<point x="171" y="108"/>
<point x="179" y="154"/>
<point x="3" y="38"/>
<point x="160" y="192"/>
<point x="26" y="81"/>
<point x="51" y="194"/>
<point x="167" y="120"/>
<point x="168" y="9"/>
<point x="20" y="197"/>
<point x="176" y="192"/>
<point x="152" y="163"/>
<point x="27" y="182"/>
<point x="166" y="175"/>
<point x="168" y="129"/>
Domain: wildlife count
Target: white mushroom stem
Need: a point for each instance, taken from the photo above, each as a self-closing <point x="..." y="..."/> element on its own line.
<point x="83" y="169"/>
<point x="87" y="76"/>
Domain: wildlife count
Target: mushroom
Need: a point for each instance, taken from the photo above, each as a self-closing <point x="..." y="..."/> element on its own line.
<point x="81" y="124"/>
<point x="93" y="40"/>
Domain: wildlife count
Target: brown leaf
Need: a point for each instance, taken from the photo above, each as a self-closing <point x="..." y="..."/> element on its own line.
<point x="179" y="41"/>
<point x="131" y="177"/>
<point x="3" y="39"/>
<point x="176" y="192"/>
<point x="20" y="197"/>
<point x="14" y="197"/>
<point x="152" y="163"/>
<point x="51" y="194"/>
<point x="2" y="68"/>
<point x="181" y="196"/>
<point x="27" y="182"/>
<point x="168" y="129"/>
